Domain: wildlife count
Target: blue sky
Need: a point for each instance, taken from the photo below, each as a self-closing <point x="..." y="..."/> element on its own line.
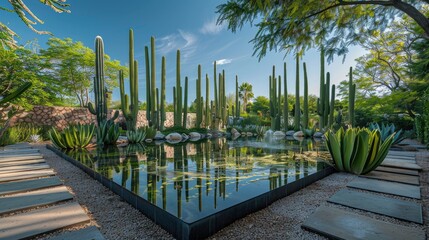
<point x="188" y="25"/>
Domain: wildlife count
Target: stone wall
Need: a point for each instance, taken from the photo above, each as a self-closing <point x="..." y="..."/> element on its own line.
<point x="60" y="117"/>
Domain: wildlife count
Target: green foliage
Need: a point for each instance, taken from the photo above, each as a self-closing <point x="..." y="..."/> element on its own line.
<point x="28" y="17"/>
<point x="301" y="24"/>
<point x="136" y="136"/>
<point x="150" y="132"/>
<point x="175" y="129"/>
<point x="386" y="130"/>
<point x="73" y="136"/>
<point x="10" y="136"/>
<point x="24" y="131"/>
<point x="357" y="150"/>
<point x="72" y="66"/>
<point x="198" y="130"/>
<point x="107" y="133"/>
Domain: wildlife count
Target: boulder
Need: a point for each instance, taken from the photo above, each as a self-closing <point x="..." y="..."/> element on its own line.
<point x="173" y="137"/>
<point x="318" y="135"/>
<point x="159" y="136"/>
<point x="298" y="134"/>
<point x="279" y="134"/>
<point x="194" y="136"/>
<point x="290" y="133"/>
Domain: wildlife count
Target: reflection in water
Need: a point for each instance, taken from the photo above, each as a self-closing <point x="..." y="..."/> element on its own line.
<point x="194" y="180"/>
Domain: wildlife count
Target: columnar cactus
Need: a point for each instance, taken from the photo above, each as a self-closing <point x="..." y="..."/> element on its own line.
<point x="331" y="111"/>
<point x="275" y="100"/>
<point x="178" y="92"/>
<point x="237" y="93"/>
<point x="207" y="108"/>
<point x="185" y="106"/>
<point x="161" y="108"/>
<point x="297" y="104"/>
<point x="100" y="108"/>
<point x="199" y="106"/>
<point x="352" y="95"/>
<point x="321" y="99"/>
<point x="285" y="103"/>
<point x="305" y="107"/>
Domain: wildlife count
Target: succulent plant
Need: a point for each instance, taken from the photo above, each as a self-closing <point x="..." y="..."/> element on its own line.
<point x="73" y="136"/>
<point x="357" y="150"/>
<point x="137" y="136"/>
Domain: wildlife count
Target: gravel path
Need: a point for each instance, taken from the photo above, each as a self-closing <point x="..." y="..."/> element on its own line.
<point x="282" y="220"/>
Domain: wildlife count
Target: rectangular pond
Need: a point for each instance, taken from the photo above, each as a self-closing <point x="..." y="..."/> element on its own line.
<point x="194" y="189"/>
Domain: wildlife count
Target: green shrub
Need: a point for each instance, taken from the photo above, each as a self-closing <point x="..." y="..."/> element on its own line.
<point x="357" y="150"/>
<point x="175" y="129"/>
<point x="198" y="130"/>
<point x="73" y="136"/>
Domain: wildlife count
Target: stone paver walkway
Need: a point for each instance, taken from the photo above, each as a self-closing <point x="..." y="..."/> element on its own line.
<point x="33" y="201"/>
<point x="396" y="176"/>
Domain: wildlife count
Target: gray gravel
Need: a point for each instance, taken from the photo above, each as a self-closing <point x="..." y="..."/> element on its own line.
<point x="282" y="220"/>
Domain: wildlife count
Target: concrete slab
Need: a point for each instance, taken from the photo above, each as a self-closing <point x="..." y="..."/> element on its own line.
<point x="20" y="158"/>
<point x="29" y="185"/>
<point x="335" y="223"/>
<point x="24" y="168"/>
<point x="21" y="163"/>
<point x="9" y="177"/>
<point x="393" y="177"/>
<point x="397" y="170"/>
<point x="89" y="233"/>
<point x="19" y="150"/>
<point x="393" y="188"/>
<point x="404" y="165"/>
<point x="22" y="201"/>
<point x="400" y="160"/>
<point x="18" y="153"/>
<point x="400" y="209"/>
<point x="402" y="153"/>
<point x="41" y="221"/>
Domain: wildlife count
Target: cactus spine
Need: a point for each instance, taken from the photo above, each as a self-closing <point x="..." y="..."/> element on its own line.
<point x="305" y="107"/>
<point x="297" y="104"/>
<point x="285" y="103"/>
<point x="185" y="106"/>
<point x="100" y="108"/>
<point x="352" y="95"/>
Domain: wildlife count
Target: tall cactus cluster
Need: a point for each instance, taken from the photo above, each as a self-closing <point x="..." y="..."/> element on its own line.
<point x="199" y="100"/>
<point x="275" y="100"/>
<point x="107" y="131"/>
<point x="100" y="108"/>
<point x="129" y="104"/>
<point x="326" y="100"/>
<point x="236" y="113"/>
<point x="177" y="96"/>
<point x="219" y="110"/>
<point x="352" y="95"/>
<point x="297" y="116"/>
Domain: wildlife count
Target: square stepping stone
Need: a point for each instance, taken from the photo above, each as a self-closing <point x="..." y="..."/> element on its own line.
<point x="335" y="223"/>
<point x="29" y="185"/>
<point x="23" y="168"/>
<point x="87" y="233"/>
<point x="393" y="188"/>
<point x="42" y="221"/>
<point x="398" y="164"/>
<point x="397" y="170"/>
<point x="20" y="158"/>
<point x="400" y="209"/>
<point x="22" y="201"/>
<point x="393" y="177"/>
<point x="22" y="163"/>
<point x="9" y="177"/>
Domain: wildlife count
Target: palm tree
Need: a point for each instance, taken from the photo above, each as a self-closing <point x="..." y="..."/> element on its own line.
<point x="245" y="93"/>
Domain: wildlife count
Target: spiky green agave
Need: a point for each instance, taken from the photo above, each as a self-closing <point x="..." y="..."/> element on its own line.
<point x="74" y="136"/>
<point x="357" y="150"/>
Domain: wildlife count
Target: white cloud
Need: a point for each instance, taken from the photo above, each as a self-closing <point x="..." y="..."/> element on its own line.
<point x="186" y="42"/>
<point x="211" y="28"/>
<point x="223" y="61"/>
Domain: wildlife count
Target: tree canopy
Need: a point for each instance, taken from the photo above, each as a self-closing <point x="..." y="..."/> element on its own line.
<point x="297" y="25"/>
<point x="28" y="17"/>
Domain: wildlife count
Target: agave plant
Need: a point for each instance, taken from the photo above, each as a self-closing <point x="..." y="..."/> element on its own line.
<point x="150" y="132"/>
<point x="357" y="150"/>
<point x="136" y="136"/>
<point x="260" y="130"/>
<point x="73" y="136"/>
<point x="386" y="130"/>
<point x="107" y="133"/>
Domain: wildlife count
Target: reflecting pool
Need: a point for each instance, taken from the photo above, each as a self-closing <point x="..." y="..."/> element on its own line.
<point x="194" y="180"/>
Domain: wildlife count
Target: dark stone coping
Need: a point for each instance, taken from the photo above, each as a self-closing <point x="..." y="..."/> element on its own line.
<point x="209" y="225"/>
